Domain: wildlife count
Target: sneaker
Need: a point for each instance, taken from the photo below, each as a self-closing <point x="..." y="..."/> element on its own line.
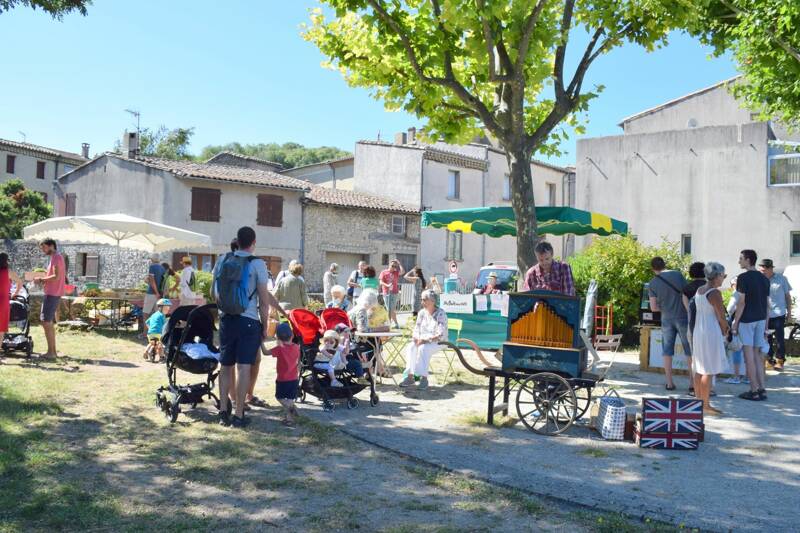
<point x="336" y="383"/>
<point x="734" y="380"/>
<point x="762" y="393"/>
<point x="745" y="380"/>
<point x="225" y="418"/>
<point x="778" y="365"/>
<point x="710" y="394"/>
<point x="240" y="422"/>
<point x="423" y="383"/>
<point x="408" y="382"/>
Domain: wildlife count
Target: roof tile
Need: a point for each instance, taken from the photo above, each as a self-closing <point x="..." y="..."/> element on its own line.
<point x="342" y="198"/>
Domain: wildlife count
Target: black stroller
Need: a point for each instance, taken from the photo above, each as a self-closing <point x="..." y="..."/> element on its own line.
<point x="194" y="325"/>
<point x="19" y="340"/>
<point x="307" y="329"/>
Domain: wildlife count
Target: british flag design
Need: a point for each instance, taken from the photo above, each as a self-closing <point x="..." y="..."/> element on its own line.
<point x="672" y="415"/>
<point x="668" y="441"/>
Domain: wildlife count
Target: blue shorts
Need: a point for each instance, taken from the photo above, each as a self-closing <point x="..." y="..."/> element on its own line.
<point x="286" y="390"/>
<point x="49" y="308"/>
<point x="240" y="340"/>
<point x="391" y="301"/>
<point x="670" y="328"/>
<point x="753" y="334"/>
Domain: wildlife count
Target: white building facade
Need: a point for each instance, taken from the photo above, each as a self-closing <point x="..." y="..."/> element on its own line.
<point x="37" y="166"/>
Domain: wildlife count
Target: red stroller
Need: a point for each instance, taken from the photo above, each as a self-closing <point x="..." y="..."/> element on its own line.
<point x="308" y="331"/>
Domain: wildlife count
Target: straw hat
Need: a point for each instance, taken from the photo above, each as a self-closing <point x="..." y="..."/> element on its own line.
<point x="493" y="275"/>
<point x="186" y="260"/>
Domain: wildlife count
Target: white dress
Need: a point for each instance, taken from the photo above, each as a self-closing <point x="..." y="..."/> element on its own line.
<point x="708" y="344"/>
<point x="187" y="294"/>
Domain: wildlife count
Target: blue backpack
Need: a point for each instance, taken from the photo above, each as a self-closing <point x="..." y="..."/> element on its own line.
<point x="231" y="282"/>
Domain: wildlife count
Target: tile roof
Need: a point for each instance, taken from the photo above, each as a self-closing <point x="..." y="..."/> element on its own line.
<point x="244" y="157"/>
<point x="341" y="198"/>
<point x="326" y="162"/>
<point x="249" y="176"/>
<point x="437" y="154"/>
<point x="35" y="148"/>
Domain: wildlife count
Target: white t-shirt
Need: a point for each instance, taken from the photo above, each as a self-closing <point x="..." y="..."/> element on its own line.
<point x="186" y="290"/>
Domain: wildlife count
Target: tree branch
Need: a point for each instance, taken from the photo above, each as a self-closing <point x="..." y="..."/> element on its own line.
<point x="525" y="41"/>
<point x="788" y="48"/>
<point x="561" y="50"/>
<point x="589" y="55"/>
<point x="491" y="50"/>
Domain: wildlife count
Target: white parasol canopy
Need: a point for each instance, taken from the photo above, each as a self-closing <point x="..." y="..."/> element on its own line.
<point x="117" y="229"/>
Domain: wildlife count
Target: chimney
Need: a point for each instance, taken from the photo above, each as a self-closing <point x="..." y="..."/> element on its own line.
<point x="130" y="144"/>
<point x="400" y="138"/>
<point x="85" y="150"/>
<point x="412" y="135"/>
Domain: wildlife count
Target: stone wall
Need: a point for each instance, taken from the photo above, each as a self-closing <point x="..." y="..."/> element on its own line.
<point x="123" y="269"/>
<point x="334" y="231"/>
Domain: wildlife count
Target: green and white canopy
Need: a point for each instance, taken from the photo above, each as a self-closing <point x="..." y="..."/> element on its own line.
<point x="500" y="221"/>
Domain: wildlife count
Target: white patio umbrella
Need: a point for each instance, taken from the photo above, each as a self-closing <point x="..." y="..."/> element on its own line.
<point x="117" y="229"/>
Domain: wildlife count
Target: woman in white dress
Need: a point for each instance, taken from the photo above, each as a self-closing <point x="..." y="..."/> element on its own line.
<point x="188" y="296"/>
<point x="710" y="330"/>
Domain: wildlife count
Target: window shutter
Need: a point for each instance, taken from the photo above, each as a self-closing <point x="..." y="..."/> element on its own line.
<point x="270" y="210"/>
<point x="92" y="267"/>
<point x="40" y="170"/>
<point x="71" y="204"/>
<point x="10" y="163"/>
<point x="260" y="210"/>
<point x="205" y="204"/>
<point x="214" y="202"/>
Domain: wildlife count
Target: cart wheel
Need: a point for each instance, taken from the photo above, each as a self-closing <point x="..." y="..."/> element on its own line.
<point x="373" y="400"/>
<point x="352" y="403"/>
<point x="546" y="403"/>
<point x="583" y="397"/>
<point x="328" y="406"/>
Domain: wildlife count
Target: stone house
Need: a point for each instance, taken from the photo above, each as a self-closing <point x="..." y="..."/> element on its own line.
<point x="37" y="166"/>
<point x="701" y="170"/>
<point x="346" y="227"/>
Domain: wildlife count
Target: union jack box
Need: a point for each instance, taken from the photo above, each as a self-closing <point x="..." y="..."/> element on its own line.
<point x="665" y="441"/>
<point x="672" y="415"/>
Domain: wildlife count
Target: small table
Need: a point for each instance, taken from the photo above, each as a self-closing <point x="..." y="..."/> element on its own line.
<point x="375" y="339"/>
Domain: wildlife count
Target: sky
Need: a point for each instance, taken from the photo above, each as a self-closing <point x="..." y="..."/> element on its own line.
<point x="240" y="71"/>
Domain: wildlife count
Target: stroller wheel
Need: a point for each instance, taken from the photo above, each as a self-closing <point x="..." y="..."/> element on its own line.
<point x="373" y="400"/>
<point x="302" y="396"/>
<point x="352" y="403"/>
<point x="174" y="410"/>
<point x="29" y="351"/>
<point x="328" y="406"/>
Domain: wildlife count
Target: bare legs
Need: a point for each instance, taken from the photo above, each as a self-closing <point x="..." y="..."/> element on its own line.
<point x="50" y="335"/>
<point x="668" y="370"/>
<point x="754" y="365"/>
<point x="702" y="390"/>
<point x="243" y="383"/>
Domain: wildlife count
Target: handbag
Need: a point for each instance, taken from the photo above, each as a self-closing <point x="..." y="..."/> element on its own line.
<point x="611" y="417"/>
<point x="735" y="344"/>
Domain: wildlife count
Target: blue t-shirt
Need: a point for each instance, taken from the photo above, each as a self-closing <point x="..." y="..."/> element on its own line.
<point x="258" y="276"/>
<point x="157" y="271"/>
<point x="155" y="324"/>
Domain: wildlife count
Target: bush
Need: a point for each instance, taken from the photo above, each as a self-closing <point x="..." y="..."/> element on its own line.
<point x="203" y="282"/>
<point x="621" y="265"/>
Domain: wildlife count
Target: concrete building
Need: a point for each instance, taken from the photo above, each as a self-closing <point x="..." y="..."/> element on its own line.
<point x="444" y="176"/>
<point x="208" y="198"/>
<point x="334" y="174"/>
<point x="702" y="171"/>
<point x="346" y="227"/>
<point x="238" y="160"/>
<point x="37" y="166"/>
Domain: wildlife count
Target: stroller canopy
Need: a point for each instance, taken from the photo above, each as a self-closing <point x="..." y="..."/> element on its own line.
<point x="199" y="323"/>
<point x="334" y="316"/>
<point x="305" y="324"/>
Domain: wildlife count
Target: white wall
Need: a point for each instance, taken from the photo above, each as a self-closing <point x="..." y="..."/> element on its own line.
<point x="389" y="171"/>
<point x="25" y="169"/>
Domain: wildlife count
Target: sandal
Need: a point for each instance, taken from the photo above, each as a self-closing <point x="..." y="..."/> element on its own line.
<point x="257" y="402"/>
<point x="668" y="387"/>
<point x="754" y="396"/>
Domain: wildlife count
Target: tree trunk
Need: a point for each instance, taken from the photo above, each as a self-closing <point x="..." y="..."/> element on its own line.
<point x="524" y="206"/>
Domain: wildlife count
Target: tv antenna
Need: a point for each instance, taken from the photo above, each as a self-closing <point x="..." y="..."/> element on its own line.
<point x="24" y="137"/>
<point x="137" y="115"/>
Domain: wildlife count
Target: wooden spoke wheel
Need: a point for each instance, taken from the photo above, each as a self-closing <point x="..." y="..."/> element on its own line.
<point x="546" y="403"/>
<point x="583" y="397"/>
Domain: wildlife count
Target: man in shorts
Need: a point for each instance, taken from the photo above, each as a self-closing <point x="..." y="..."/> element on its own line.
<point x="780" y="310"/>
<point x="53" y="282"/>
<point x="390" y="288"/>
<point x="155" y="275"/>
<point x="750" y="323"/>
<point x="666" y="295"/>
<point x="241" y="335"/>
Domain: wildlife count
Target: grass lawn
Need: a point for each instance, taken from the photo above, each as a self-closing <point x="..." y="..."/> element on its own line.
<point x="83" y="447"/>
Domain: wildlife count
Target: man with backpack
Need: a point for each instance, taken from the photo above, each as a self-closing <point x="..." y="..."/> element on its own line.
<point x="242" y="294"/>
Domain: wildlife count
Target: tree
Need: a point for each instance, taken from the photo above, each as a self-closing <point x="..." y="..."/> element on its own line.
<point x="764" y="37"/>
<point x="498" y="65"/>
<point x="20" y="207"/>
<point x="289" y="155"/>
<point x="56" y="8"/>
<point x="163" y="142"/>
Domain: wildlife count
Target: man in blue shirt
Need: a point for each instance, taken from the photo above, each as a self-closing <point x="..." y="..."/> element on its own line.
<point x="155" y="275"/>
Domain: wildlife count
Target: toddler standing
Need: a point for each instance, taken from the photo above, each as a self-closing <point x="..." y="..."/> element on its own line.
<point x="287" y="354"/>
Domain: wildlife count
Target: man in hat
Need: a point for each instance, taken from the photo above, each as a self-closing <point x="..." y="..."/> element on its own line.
<point x="780" y="309"/>
<point x="491" y="284"/>
<point x="188" y="296"/>
<point x="155" y="275"/>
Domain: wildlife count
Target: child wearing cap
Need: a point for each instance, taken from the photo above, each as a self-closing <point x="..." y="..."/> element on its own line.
<point x="287" y="355"/>
<point x="155" y="326"/>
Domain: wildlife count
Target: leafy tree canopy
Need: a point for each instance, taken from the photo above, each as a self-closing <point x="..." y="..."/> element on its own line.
<point x="163" y="142"/>
<point x="20" y="207"/>
<point x="56" y="8"/>
<point x="289" y="155"/>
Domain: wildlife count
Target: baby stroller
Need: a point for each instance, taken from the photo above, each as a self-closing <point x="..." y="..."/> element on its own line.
<point x="188" y="341"/>
<point x="308" y="331"/>
<point x="19" y="340"/>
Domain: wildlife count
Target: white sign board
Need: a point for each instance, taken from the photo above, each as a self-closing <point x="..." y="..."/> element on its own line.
<point x="456" y="303"/>
<point x="481" y="303"/>
<point x="657" y="351"/>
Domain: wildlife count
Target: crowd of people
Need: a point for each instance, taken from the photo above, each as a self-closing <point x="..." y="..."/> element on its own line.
<point x="714" y="336"/>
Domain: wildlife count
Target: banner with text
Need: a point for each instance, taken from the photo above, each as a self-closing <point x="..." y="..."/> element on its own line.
<point x="457" y="303"/>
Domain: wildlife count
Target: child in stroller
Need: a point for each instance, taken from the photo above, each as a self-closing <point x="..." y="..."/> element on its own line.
<point x="155" y="326"/>
<point x="330" y="356"/>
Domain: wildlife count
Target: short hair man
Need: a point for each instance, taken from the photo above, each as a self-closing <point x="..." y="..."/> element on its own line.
<point x="780" y="309"/>
<point x="666" y="296"/>
<point x="53" y="282"/>
<point x="390" y="287"/>
<point x="548" y="274"/>
<point x="329" y="279"/>
<point x="241" y="334"/>
<point x="750" y="323"/>
<point x="354" y="282"/>
<point x="155" y="275"/>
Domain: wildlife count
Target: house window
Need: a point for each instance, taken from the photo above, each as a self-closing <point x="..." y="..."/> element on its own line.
<point x="795" y="240"/>
<point x="87" y="266"/>
<point x="40" y="170"/>
<point x="551" y="194"/>
<point x="506" y="187"/>
<point x="10" y="160"/>
<point x="270" y="210"/>
<point x="686" y="244"/>
<point x="385" y="259"/>
<point x="453" y="252"/>
<point x="399" y="225"/>
<point x="70" y="205"/>
<point x="453" y="185"/>
<point x="205" y="204"/>
<point x="407" y="261"/>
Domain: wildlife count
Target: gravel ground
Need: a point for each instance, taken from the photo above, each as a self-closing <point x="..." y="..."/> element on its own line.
<point x="745" y="476"/>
